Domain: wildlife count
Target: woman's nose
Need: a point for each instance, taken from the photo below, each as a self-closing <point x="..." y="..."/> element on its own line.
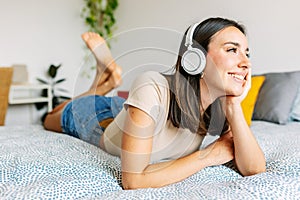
<point x="244" y="61"/>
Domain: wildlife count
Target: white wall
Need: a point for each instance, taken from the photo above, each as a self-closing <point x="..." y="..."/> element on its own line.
<point x="39" y="33"/>
<point x="43" y="32"/>
<point x="272" y="26"/>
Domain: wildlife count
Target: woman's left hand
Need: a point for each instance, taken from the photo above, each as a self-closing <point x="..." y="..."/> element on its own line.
<point x="238" y="99"/>
<point x="230" y="103"/>
<point x="247" y="87"/>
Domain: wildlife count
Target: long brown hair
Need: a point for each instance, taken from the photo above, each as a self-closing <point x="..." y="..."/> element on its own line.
<point x="185" y="98"/>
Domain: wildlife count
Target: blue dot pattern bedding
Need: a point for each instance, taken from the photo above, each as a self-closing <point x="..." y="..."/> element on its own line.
<point x="39" y="164"/>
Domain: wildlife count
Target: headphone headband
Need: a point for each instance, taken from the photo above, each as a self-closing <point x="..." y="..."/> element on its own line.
<point x="190" y="33"/>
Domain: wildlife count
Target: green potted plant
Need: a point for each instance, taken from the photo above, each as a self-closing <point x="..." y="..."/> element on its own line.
<point x="99" y="16"/>
<point x="53" y="82"/>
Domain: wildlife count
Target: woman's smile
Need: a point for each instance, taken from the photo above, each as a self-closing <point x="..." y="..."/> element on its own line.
<point x="240" y="78"/>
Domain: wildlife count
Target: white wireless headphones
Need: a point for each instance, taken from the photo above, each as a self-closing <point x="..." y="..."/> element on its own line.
<point x="193" y="60"/>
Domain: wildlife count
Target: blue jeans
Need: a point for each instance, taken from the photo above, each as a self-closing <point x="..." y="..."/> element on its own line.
<point x="80" y="118"/>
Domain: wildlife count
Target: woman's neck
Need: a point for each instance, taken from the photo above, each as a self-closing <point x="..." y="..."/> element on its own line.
<point x="207" y="95"/>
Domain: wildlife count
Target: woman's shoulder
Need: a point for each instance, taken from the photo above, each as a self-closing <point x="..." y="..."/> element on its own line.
<point x="150" y="93"/>
<point x="151" y="77"/>
<point x="150" y="85"/>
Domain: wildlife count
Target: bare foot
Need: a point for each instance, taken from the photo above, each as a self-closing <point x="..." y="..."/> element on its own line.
<point x="108" y="71"/>
<point x="99" y="48"/>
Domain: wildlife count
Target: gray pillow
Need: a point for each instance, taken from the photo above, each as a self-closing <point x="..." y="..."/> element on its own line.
<point x="295" y="114"/>
<point x="276" y="97"/>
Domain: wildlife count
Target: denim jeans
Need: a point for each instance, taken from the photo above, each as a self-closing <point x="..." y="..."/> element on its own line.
<point x="81" y="117"/>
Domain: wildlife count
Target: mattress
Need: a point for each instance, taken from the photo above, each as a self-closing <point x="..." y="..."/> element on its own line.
<point x="39" y="164"/>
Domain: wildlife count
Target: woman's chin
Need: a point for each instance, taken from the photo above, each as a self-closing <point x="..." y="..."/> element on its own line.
<point x="234" y="93"/>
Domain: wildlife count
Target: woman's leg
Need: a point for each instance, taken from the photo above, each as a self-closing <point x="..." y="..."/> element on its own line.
<point x="108" y="76"/>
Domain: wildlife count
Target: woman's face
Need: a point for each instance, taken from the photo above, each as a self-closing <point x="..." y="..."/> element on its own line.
<point x="227" y="62"/>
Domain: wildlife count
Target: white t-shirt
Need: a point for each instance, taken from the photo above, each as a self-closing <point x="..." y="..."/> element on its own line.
<point x="150" y="93"/>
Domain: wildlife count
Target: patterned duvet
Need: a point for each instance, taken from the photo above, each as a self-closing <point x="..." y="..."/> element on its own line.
<point x="38" y="164"/>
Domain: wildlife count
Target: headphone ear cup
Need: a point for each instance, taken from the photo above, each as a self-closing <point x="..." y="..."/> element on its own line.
<point x="193" y="61"/>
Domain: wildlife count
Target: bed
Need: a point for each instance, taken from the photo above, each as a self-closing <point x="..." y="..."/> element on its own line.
<point x="39" y="164"/>
<point x="35" y="163"/>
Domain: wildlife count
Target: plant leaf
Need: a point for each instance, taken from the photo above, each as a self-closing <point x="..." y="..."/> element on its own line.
<point x="62" y="90"/>
<point x="42" y="81"/>
<point x="59" y="81"/>
<point x="44" y="93"/>
<point x="52" y="71"/>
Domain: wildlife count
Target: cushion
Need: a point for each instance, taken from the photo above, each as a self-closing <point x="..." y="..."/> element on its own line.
<point x="249" y="102"/>
<point x="123" y="94"/>
<point x="276" y="97"/>
<point x="295" y="114"/>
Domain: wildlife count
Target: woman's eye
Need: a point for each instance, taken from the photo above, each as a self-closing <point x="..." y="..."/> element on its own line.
<point x="234" y="50"/>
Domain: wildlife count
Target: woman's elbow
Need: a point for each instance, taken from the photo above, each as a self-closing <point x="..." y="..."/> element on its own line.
<point x="254" y="170"/>
<point x="132" y="181"/>
<point x="128" y="185"/>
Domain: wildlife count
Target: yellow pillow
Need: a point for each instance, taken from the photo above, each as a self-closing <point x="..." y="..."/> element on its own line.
<point x="249" y="102"/>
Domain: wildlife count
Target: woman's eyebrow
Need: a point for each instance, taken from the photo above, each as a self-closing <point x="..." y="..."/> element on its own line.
<point x="233" y="43"/>
<point x="236" y="44"/>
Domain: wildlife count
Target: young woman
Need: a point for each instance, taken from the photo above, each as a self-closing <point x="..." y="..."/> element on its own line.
<point x="159" y="130"/>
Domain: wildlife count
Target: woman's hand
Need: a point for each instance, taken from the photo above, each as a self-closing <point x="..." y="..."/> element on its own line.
<point x="229" y="100"/>
<point x="247" y="87"/>
<point x="232" y="104"/>
<point x="219" y="152"/>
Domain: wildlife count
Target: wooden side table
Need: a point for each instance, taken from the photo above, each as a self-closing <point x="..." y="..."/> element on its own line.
<point x="31" y="96"/>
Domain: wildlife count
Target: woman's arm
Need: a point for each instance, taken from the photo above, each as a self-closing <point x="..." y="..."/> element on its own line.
<point x="136" y="151"/>
<point x="249" y="157"/>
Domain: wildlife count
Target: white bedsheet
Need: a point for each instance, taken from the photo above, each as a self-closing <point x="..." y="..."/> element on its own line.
<point x="35" y="163"/>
